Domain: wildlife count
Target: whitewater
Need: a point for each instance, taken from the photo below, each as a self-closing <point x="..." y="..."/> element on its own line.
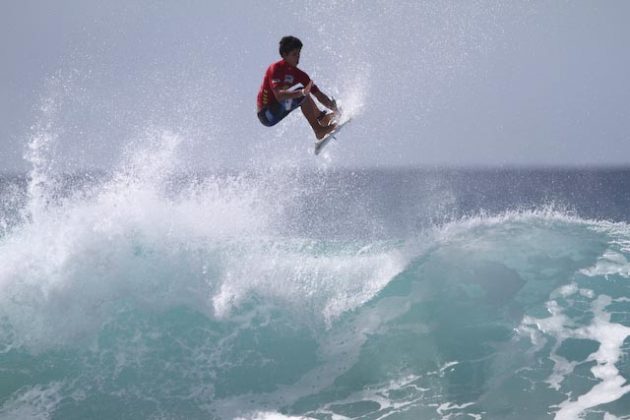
<point x="145" y="292"/>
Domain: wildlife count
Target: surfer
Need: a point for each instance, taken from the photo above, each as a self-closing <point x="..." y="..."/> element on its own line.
<point x="285" y="87"/>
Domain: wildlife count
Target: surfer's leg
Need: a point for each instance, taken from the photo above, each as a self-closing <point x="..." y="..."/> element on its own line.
<point x="311" y="112"/>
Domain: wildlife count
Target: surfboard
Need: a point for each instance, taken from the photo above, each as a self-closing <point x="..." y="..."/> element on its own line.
<point x="319" y="144"/>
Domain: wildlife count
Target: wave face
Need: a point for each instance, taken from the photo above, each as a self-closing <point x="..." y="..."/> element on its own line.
<point x="329" y="295"/>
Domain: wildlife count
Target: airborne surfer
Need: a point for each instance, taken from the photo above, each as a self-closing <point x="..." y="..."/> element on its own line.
<point x="285" y="87"/>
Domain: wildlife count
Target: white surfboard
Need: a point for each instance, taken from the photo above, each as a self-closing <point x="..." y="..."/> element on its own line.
<point x="319" y="144"/>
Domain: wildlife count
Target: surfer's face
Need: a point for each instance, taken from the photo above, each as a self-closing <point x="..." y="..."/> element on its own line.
<point x="293" y="57"/>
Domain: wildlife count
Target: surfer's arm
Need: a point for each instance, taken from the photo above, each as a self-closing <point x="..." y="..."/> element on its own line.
<point x="325" y="100"/>
<point x="284" y="94"/>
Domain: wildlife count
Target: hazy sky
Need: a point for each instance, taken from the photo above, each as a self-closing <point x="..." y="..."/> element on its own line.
<point x="432" y="83"/>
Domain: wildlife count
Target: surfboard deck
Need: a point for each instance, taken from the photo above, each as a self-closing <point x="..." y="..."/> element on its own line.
<point x="319" y="144"/>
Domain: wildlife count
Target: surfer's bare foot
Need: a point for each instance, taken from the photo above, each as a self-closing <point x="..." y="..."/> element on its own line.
<point x="327" y="119"/>
<point x="321" y="132"/>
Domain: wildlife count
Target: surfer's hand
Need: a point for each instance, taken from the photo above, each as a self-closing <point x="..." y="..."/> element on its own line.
<point x="307" y="89"/>
<point x="333" y="104"/>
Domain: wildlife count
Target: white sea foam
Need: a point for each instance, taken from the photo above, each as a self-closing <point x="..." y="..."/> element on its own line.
<point x="609" y="335"/>
<point x="611" y="263"/>
<point x="269" y="415"/>
<point x="445" y="407"/>
<point x="34" y="403"/>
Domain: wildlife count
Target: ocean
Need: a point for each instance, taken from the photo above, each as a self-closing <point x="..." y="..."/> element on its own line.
<point x="146" y="293"/>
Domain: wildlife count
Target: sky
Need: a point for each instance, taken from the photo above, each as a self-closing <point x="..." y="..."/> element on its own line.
<point x="448" y="83"/>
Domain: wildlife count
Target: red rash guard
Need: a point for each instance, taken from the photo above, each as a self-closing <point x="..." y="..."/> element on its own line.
<point x="280" y="75"/>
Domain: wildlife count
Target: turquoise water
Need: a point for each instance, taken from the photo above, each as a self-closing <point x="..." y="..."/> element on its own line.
<point x="371" y="295"/>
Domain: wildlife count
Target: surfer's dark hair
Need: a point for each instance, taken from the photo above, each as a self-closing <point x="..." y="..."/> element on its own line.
<point x="288" y="44"/>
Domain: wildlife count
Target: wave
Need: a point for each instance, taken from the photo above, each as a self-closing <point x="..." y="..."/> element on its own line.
<point x="144" y="294"/>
